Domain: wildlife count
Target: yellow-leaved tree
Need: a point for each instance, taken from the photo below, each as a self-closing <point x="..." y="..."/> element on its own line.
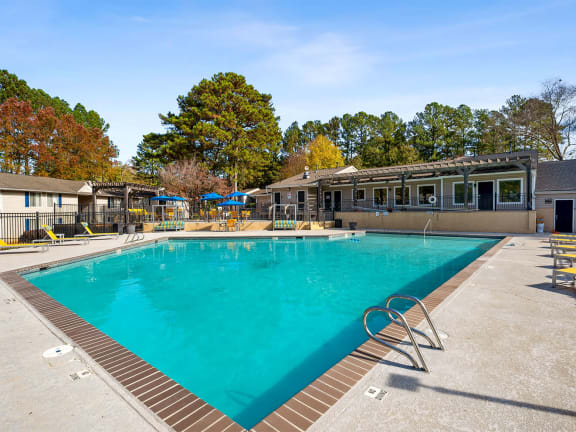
<point x="323" y="153"/>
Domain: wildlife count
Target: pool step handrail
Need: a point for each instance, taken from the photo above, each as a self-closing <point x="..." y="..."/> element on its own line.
<point x="438" y="345"/>
<point x="428" y="225"/>
<point x="402" y="322"/>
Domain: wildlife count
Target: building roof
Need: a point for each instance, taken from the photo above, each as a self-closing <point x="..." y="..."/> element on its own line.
<point x="43" y="184"/>
<point x="556" y="176"/>
<point x="313" y="177"/>
<point x="451" y="165"/>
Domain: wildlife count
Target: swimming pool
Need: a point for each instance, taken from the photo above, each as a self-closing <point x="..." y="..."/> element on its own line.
<point x="245" y="324"/>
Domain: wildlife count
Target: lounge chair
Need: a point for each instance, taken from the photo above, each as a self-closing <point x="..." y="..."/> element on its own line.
<point x="39" y="247"/>
<point x="561" y="248"/>
<point x="566" y="257"/>
<point x="570" y="272"/>
<point x="90" y="234"/>
<point x="169" y="226"/>
<point x="53" y="238"/>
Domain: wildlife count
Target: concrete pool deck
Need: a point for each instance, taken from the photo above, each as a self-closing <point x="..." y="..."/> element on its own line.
<point x="507" y="365"/>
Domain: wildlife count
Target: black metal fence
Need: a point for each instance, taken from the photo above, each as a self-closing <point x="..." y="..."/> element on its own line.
<point x="25" y="227"/>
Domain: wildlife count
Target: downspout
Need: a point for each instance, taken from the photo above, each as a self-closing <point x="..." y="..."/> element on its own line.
<point x="441" y="193"/>
<point x="528" y="169"/>
<point x="403" y="189"/>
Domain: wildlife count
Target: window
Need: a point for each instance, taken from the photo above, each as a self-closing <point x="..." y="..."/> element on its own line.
<point x="381" y="196"/>
<point x="277" y="197"/>
<point x="360" y="194"/>
<point x="398" y="195"/>
<point x="458" y="193"/>
<point x="510" y="191"/>
<point x="34" y="199"/>
<point x="301" y="198"/>
<point x="424" y="194"/>
<point x="51" y="199"/>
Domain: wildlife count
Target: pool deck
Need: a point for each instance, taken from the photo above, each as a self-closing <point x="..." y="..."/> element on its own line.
<point x="508" y="363"/>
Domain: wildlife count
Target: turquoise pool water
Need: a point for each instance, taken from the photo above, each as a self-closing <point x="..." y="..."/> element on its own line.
<point x="245" y="324"/>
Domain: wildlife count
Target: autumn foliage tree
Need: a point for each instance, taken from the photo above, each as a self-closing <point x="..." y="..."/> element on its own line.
<point x="320" y="153"/>
<point x="188" y="178"/>
<point x="42" y="143"/>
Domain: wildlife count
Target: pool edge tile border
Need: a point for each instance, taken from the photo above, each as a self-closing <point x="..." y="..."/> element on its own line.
<point x="303" y="409"/>
<point x="185" y="412"/>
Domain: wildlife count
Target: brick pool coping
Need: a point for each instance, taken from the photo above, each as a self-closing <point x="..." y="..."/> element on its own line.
<point x="179" y="408"/>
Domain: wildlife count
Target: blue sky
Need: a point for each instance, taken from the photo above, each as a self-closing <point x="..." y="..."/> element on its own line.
<point x="130" y="60"/>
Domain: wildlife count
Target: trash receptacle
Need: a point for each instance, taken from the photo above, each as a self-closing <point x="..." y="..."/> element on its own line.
<point x="539" y="224"/>
<point x="353" y="225"/>
<point x="337" y="223"/>
<point x="131" y="229"/>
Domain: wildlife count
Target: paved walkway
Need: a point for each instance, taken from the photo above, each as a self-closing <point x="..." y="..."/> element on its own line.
<point x="509" y="363"/>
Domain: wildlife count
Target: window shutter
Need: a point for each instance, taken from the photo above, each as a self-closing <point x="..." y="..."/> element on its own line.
<point x="108" y="202"/>
<point x="27" y="199"/>
<point x="60" y="200"/>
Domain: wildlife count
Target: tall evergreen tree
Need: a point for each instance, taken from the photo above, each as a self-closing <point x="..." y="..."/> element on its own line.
<point x="227" y="125"/>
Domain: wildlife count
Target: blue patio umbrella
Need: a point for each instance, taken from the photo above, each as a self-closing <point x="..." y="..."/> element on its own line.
<point x="211" y="196"/>
<point x="236" y="194"/>
<point x="231" y="203"/>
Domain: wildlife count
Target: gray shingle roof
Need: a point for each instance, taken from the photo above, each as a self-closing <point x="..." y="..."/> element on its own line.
<point x="41" y="184"/>
<point x="556" y="176"/>
<point x="314" y="175"/>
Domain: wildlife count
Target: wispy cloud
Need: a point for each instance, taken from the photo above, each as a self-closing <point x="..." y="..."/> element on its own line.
<point x="140" y="19"/>
<point x="328" y="59"/>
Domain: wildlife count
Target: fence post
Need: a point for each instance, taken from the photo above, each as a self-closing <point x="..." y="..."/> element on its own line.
<point x="37" y="224"/>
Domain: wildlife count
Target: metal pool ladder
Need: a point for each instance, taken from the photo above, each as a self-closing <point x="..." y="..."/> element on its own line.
<point x="401" y="321"/>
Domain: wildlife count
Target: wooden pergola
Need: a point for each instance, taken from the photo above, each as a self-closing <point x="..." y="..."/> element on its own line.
<point x="464" y="166"/>
<point x="128" y="191"/>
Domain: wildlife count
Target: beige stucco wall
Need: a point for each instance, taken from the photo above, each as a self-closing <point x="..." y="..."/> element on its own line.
<point x="500" y="221"/>
<point x="245" y="226"/>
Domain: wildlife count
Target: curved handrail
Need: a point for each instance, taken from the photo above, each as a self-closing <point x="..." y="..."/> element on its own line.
<point x="395" y="348"/>
<point x="428" y="224"/>
<point x="426" y="314"/>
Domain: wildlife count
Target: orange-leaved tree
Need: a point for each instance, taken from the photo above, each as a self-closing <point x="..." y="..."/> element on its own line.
<point x="44" y="144"/>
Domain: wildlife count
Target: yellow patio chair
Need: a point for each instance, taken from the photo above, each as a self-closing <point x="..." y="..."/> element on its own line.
<point x="39" y="247"/>
<point x="53" y="238"/>
<point x="569" y="272"/>
<point x="90" y="234"/>
<point x="231" y="224"/>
